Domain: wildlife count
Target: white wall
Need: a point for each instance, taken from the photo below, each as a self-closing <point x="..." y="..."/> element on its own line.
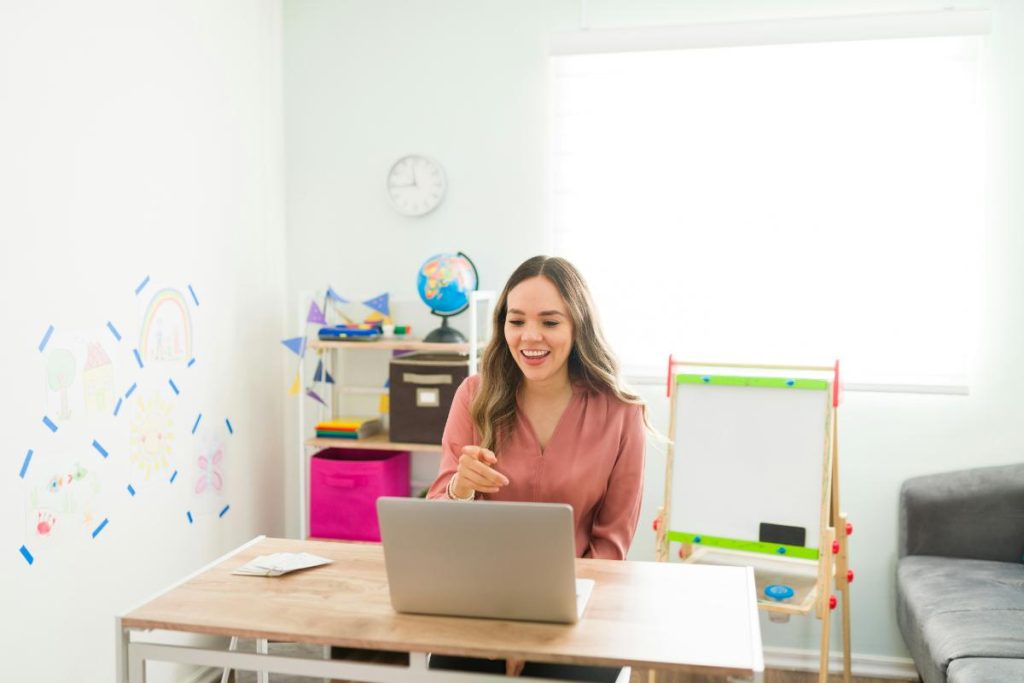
<point x="465" y="81"/>
<point x="136" y="139"/>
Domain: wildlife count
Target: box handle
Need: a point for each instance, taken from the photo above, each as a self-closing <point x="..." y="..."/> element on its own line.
<point x="340" y="482"/>
<point x="418" y="378"/>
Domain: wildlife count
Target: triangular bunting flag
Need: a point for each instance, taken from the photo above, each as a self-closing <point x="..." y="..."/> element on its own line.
<point x="315" y="314"/>
<point x="296" y="344"/>
<point x="316" y="397"/>
<point x="333" y="296"/>
<point x="379" y="303"/>
<point x="319" y="374"/>
<point x="294" y="389"/>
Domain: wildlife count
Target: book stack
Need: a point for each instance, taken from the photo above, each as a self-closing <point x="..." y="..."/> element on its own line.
<point x="348" y="428"/>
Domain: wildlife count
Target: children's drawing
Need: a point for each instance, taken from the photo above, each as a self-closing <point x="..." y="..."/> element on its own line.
<point x="62" y="504"/>
<point x="98" y="380"/>
<point x="166" y="333"/>
<point x="208" y="480"/>
<point x="60" y="375"/>
<point x="152" y="436"/>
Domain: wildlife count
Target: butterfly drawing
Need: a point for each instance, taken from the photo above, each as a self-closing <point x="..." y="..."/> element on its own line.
<point x="209" y="472"/>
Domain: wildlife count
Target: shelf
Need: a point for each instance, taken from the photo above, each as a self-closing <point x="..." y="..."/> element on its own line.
<point x="799" y="574"/>
<point x="391" y="344"/>
<point x="381" y="441"/>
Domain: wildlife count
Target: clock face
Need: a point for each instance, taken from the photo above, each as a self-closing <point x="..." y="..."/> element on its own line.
<point x="416" y="185"/>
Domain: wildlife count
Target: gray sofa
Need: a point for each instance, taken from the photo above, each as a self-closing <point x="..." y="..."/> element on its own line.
<point x="960" y="574"/>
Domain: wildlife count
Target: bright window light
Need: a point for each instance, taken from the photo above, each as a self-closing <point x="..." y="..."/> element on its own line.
<point x="781" y="203"/>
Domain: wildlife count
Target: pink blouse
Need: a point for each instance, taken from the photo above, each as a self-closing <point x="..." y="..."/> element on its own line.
<point x="594" y="461"/>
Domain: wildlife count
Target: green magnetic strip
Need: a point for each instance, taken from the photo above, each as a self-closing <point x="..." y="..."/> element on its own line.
<point x="765" y="382"/>
<point x="747" y="546"/>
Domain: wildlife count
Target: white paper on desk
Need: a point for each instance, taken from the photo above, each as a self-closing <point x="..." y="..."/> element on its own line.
<point x="279" y="563"/>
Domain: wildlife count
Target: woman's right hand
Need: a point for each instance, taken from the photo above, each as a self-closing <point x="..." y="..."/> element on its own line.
<point x="476" y="473"/>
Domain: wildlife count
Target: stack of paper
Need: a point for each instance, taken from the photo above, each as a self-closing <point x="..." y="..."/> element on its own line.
<point x="348" y="428"/>
<point x="279" y="563"/>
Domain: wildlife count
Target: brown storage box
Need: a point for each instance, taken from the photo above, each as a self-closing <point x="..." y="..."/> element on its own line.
<point x="422" y="386"/>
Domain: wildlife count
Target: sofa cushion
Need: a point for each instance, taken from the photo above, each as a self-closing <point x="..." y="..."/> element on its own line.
<point x="951" y="608"/>
<point x="985" y="670"/>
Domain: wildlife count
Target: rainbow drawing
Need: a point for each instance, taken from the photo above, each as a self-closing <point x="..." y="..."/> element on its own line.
<point x="166" y="333"/>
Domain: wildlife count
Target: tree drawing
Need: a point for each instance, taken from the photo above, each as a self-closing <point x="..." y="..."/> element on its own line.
<point x="60" y="374"/>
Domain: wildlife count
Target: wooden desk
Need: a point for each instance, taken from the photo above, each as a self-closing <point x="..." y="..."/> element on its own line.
<point x="675" y="617"/>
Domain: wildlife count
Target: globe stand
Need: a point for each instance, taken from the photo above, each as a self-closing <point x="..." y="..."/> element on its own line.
<point x="445" y="334"/>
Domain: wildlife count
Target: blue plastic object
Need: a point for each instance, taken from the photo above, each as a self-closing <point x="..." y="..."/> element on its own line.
<point x="778" y="592"/>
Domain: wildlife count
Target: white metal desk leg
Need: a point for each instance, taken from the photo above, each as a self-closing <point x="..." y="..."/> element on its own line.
<point x="262" y="647"/>
<point x="136" y="667"/>
<point x="231" y="648"/>
<point x="121" y="641"/>
<point x="327" y="655"/>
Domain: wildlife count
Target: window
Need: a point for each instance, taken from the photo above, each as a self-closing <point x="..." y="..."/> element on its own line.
<point x="786" y="202"/>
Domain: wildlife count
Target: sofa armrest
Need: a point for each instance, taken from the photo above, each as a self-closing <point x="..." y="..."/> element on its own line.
<point x="976" y="514"/>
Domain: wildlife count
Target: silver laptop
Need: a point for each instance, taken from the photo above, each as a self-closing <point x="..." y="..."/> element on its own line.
<point x="482" y="559"/>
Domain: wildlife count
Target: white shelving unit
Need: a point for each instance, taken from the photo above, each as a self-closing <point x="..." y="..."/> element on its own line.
<point x="326" y="351"/>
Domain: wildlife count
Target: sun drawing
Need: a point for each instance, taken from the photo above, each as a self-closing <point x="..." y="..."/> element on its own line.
<point x="152" y="436"/>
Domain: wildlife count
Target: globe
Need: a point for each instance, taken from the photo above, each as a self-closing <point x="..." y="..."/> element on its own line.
<point x="444" y="282"/>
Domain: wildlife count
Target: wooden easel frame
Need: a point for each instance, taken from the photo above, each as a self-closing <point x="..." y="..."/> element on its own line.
<point x="831" y="568"/>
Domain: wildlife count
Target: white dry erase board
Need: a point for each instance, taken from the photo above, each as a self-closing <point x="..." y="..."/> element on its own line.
<point x="749" y="451"/>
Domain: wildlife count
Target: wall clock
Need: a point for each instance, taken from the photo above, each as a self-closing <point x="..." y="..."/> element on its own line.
<point x="416" y="185"/>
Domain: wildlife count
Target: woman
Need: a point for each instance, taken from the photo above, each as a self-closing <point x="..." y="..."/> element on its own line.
<point x="547" y="420"/>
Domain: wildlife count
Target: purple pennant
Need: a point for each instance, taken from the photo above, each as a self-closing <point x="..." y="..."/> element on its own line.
<point x="315" y="314"/>
<point x="315" y="396"/>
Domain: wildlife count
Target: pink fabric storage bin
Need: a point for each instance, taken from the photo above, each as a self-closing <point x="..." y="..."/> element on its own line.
<point x="344" y="485"/>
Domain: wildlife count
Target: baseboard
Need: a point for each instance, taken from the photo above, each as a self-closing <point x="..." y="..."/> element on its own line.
<point x="872" y="666"/>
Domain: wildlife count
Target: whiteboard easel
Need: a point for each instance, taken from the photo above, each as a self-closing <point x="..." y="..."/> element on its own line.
<point x="752" y="479"/>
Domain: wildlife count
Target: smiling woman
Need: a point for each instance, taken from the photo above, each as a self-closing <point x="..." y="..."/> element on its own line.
<point x="547" y="419"/>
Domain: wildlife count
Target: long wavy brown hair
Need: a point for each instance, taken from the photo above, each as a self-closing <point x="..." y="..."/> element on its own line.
<point x="591" y="363"/>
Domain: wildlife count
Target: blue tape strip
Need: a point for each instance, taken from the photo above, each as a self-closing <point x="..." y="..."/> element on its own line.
<point x="228" y="423"/>
<point x="131" y="489"/>
<point x="189" y="515"/>
<point x="131" y="390"/>
<point x="138" y="358"/>
<point x="198" y="418"/>
<point x="174" y="476"/>
<point x="97" y="530"/>
<point x="193" y="293"/>
<point x="173" y="386"/>
<point x="113" y="331"/>
<point x="224" y="511"/>
<point x="141" y="286"/>
<point x="24" y="465"/>
<point x="26" y="554"/>
<point x="101" y="449"/>
<point x="117" y="408"/>
<point x="46" y="338"/>
<point x="191" y="362"/>
<point x="49" y="423"/>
